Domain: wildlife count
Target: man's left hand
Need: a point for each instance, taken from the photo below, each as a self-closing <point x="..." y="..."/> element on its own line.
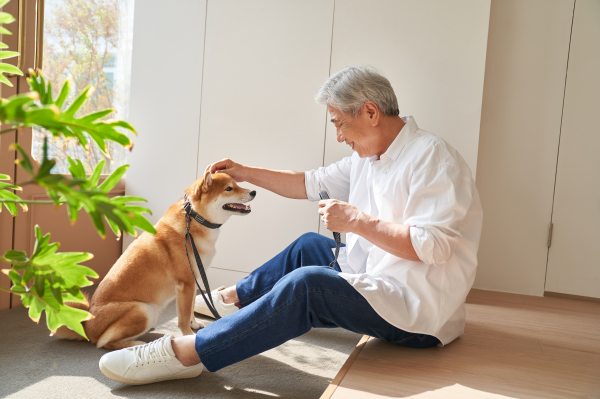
<point x="338" y="216"/>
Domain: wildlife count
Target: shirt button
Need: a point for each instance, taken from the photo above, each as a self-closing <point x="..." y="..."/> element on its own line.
<point x="385" y="172"/>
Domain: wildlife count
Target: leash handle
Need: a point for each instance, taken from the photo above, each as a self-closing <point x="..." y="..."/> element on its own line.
<point x="336" y="236"/>
<point x="209" y="302"/>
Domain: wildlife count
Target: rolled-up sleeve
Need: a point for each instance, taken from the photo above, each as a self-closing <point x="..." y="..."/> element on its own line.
<point x="439" y="200"/>
<point x="334" y="178"/>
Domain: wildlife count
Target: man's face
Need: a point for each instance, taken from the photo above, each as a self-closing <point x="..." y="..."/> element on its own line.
<point x="352" y="131"/>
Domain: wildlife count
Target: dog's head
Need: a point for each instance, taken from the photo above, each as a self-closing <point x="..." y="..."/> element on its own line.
<point x="216" y="197"/>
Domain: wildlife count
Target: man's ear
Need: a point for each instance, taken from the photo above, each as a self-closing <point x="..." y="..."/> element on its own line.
<point x="372" y="112"/>
<point x="207" y="181"/>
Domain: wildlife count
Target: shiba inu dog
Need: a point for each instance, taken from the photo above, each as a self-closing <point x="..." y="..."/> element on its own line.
<point x="154" y="270"/>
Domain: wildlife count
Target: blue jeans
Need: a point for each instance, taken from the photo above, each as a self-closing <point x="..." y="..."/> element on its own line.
<point x="285" y="298"/>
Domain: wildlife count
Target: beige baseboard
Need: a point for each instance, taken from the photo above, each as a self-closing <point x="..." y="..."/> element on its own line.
<point x="569" y="296"/>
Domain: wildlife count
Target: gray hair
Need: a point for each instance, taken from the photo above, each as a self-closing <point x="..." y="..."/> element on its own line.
<point x="349" y="88"/>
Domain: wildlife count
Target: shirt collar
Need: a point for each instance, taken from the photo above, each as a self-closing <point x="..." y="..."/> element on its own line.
<point x="405" y="135"/>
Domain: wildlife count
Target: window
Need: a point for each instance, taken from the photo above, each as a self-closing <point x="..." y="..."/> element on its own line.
<point x="88" y="41"/>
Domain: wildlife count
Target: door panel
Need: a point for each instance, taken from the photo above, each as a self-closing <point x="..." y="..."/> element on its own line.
<point x="574" y="257"/>
<point x="264" y="63"/>
<point x="526" y="64"/>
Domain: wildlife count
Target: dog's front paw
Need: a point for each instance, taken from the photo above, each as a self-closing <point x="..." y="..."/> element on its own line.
<point x="195" y="324"/>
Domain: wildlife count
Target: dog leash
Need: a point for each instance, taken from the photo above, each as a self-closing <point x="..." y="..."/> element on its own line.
<point x="336" y="236"/>
<point x="189" y="215"/>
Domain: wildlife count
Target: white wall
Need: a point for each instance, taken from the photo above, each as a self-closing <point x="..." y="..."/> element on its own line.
<point x="166" y="87"/>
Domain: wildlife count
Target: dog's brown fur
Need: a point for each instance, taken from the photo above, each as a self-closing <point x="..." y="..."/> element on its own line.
<point x="154" y="270"/>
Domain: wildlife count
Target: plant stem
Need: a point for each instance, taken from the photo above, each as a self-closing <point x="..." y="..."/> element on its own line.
<point x="28" y="202"/>
<point x="8" y="130"/>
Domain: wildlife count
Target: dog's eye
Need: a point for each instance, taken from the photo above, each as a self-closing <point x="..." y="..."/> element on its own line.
<point x="228" y="189"/>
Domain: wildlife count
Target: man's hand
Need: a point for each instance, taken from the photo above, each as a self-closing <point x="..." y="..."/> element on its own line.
<point x="339" y="216"/>
<point x="237" y="171"/>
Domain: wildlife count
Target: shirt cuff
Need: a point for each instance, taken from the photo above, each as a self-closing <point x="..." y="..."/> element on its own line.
<point x="423" y="244"/>
<point x="311" y="182"/>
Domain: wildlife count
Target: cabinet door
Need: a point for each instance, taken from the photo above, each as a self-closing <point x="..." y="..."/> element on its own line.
<point x="264" y="62"/>
<point x="574" y="256"/>
<point x="526" y="64"/>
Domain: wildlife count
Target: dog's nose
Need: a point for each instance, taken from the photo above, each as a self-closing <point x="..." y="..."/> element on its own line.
<point x="253" y="193"/>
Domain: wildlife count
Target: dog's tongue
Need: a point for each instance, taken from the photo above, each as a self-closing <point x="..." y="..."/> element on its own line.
<point x="240" y="206"/>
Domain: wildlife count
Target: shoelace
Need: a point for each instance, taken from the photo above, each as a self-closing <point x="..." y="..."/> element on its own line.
<point x="153" y="351"/>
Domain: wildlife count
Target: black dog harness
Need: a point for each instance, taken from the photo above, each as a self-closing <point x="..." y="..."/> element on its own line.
<point x="189" y="215"/>
<point x="336" y="236"/>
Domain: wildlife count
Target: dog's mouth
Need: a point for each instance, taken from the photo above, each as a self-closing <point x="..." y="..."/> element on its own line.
<point x="241" y="208"/>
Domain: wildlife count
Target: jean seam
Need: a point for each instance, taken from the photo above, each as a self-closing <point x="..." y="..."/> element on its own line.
<point x="275" y="313"/>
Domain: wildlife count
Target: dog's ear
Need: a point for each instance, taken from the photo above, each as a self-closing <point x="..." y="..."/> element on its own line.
<point x="207" y="181"/>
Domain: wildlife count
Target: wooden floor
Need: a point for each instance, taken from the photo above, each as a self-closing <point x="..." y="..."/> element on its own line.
<point x="514" y="346"/>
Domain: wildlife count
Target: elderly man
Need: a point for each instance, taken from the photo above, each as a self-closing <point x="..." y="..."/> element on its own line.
<point x="411" y="211"/>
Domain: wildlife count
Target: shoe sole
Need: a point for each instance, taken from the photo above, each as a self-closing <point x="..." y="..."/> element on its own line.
<point x="122" y="380"/>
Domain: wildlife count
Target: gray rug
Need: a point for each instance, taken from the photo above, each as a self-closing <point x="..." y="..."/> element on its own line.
<point x="35" y="365"/>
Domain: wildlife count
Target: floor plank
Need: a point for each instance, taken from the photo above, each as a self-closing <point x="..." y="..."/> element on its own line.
<point x="514" y="346"/>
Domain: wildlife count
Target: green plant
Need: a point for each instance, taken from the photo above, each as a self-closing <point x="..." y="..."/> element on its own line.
<point x="47" y="279"/>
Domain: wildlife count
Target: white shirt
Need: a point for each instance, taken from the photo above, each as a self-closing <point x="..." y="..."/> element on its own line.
<point x="423" y="182"/>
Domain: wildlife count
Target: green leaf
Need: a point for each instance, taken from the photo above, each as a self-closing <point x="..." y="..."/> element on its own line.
<point x="95" y="176"/>
<point x="112" y="180"/>
<point x="8" y="54"/>
<point x="4" y="31"/>
<point x="14" y="277"/>
<point x="78" y="102"/>
<point x="15" y="256"/>
<point x="10" y="69"/>
<point x="64" y="93"/>
<point x="24" y="162"/>
<point x="67" y="316"/>
<point x="38" y="284"/>
<point x="3" y="78"/>
<point x="11" y="206"/>
<point x="6" y="18"/>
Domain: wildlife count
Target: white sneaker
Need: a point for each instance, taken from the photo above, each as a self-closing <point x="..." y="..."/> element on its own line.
<point x="222" y="308"/>
<point x="143" y="364"/>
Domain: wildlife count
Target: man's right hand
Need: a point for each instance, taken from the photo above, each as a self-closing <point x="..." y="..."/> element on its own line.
<point x="237" y="171"/>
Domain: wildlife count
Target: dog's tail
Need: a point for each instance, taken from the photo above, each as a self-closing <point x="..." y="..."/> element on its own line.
<point x="66" y="333"/>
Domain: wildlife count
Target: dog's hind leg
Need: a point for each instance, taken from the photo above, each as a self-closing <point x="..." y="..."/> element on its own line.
<point x="131" y="324"/>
